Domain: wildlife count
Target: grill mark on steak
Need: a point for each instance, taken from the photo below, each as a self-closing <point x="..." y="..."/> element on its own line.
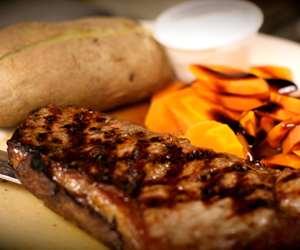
<point x="129" y="176"/>
<point x="290" y="177"/>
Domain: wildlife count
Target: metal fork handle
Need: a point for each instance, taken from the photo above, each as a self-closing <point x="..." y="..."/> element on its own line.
<point x="6" y="171"/>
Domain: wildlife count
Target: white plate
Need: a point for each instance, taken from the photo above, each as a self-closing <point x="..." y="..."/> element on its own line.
<point x="26" y="224"/>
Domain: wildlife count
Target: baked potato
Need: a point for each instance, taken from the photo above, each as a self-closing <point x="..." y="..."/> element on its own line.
<point x="99" y="63"/>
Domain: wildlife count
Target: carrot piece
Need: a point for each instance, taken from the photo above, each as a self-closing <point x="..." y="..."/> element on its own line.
<point x="159" y="118"/>
<point x="296" y="150"/>
<point x="277" y="134"/>
<point x="292" y="139"/>
<point x="226" y="69"/>
<point x="183" y="116"/>
<point x="289" y="103"/>
<point x="249" y="122"/>
<point x="210" y="110"/>
<point x="175" y="111"/>
<point x="285" y="160"/>
<point x="272" y="71"/>
<point x="195" y="105"/>
<point x="172" y="87"/>
<point x="225" y="113"/>
<point x="241" y="83"/>
<point x="216" y="136"/>
<point x="274" y="111"/>
<point x="236" y="103"/>
<point x="240" y="103"/>
<point x="246" y="147"/>
<point x="259" y="72"/>
<point x="267" y="123"/>
<point x="279" y="78"/>
<point x="280" y="131"/>
<point x="282" y="114"/>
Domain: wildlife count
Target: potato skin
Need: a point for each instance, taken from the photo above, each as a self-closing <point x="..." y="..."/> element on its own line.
<point x="99" y="63"/>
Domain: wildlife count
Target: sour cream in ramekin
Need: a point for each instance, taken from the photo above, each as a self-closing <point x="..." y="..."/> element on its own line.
<point x="208" y="32"/>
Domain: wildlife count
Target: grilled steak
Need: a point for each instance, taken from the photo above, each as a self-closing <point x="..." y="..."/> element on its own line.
<point x="135" y="189"/>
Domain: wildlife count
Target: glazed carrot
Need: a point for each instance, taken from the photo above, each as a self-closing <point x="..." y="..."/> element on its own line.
<point x="249" y="122"/>
<point x="159" y="118"/>
<point x="285" y="160"/>
<point x="282" y="114"/>
<point x="274" y="111"/>
<point x="238" y="83"/>
<point x="184" y="117"/>
<point x="172" y="87"/>
<point x="196" y="104"/>
<point x="215" y="135"/>
<point x="236" y="103"/>
<point x="292" y="139"/>
<point x="246" y="147"/>
<point x="225" y="94"/>
<point x="296" y="150"/>
<point x="280" y="131"/>
<point x="226" y="69"/>
<point x="267" y="123"/>
<point x="272" y="71"/>
<point x="173" y="111"/>
<point x="289" y="103"/>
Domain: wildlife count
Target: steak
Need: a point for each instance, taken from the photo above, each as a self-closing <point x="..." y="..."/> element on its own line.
<point x="134" y="189"/>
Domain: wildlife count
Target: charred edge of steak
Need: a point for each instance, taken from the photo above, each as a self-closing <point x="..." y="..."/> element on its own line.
<point x="29" y="167"/>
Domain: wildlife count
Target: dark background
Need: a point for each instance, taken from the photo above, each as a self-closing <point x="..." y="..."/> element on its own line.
<point x="282" y="17"/>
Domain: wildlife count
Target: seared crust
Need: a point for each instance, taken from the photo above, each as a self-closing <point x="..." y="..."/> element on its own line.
<point x="57" y="199"/>
<point x="134" y="189"/>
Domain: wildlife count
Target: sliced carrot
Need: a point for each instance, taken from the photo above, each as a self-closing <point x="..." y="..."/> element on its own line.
<point x="285" y="160"/>
<point x="272" y="71"/>
<point x="282" y="86"/>
<point x="235" y="83"/>
<point x="274" y="111"/>
<point x="277" y="134"/>
<point x="292" y="139"/>
<point x="159" y="118"/>
<point x="282" y="114"/>
<point x="222" y="114"/>
<point x="280" y="131"/>
<point x="296" y="150"/>
<point x="236" y="103"/>
<point x="289" y="103"/>
<point x="240" y="103"/>
<point x="172" y="87"/>
<point x="279" y="78"/>
<point x="259" y="72"/>
<point x="197" y="107"/>
<point x="175" y="111"/>
<point x="226" y="69"/>
<point x="191" y="109"/>
<point x="246" y="147"/>
<point x="249" y="122"/>
<point x="183" y="116"/>
<point x="210" y="110"/>
<point x="216" y="136"/>
<point x="267" y="123"/>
